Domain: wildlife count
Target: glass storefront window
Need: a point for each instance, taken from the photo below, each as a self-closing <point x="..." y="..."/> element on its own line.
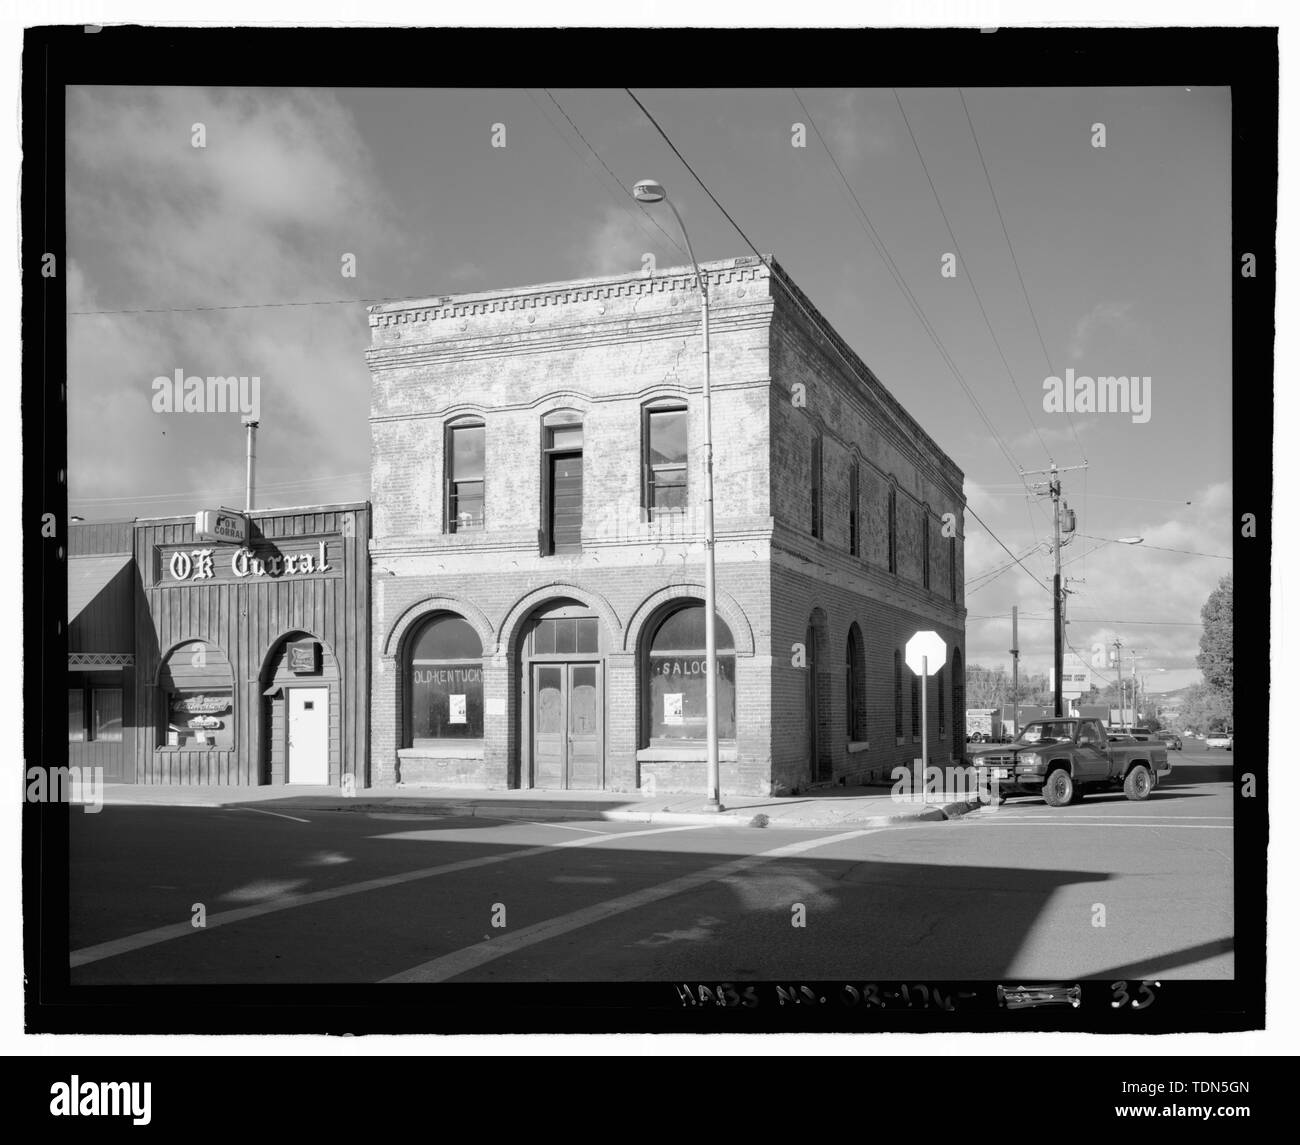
<point x="445" y="677"/>
<point x="106" y="714"/>
<point x="76" y="715"/>
<point x="200" y="719"/>
<point x="677" y="678"/>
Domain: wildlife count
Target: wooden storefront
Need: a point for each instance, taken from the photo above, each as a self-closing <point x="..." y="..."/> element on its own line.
<point x="252" y="660"/>
<point x="102" y="591"/>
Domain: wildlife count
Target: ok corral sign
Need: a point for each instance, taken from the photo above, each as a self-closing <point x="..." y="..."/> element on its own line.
<point x="926" y="653"/>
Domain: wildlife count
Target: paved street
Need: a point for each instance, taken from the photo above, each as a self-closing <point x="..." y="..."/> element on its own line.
<point x="330" y="896"/>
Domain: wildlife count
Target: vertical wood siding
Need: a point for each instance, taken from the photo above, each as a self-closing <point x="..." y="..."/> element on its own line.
<point x="248" y="619"/>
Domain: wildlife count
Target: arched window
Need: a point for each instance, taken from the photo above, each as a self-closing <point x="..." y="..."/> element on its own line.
<point x="892" y="527"/>
<point x="445" y="681"/>
<point x="197" y="697"/>
<point x="916" y="704"/>
<point x="898" y="695"/>
<point x="939" y="681"/>
<point x="855" y="678"/>
<point x="676" y="677"/>
<point x="925" y="545"/>
<point x="958" y="698"/>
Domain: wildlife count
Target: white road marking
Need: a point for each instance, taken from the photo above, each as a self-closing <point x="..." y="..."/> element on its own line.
<point x="110" y="949"/>
<point x="1054" y="823"/>
<point x="559" y="826"/>
<point x="471" y="957"/>
<point x="277" y="814"/>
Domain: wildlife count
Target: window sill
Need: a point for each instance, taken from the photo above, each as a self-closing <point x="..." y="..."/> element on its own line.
<point x="170" y="747"/>
<point x="444" y="749"/>
<point x="857" y="746"/>
<point x="694" y="753"/>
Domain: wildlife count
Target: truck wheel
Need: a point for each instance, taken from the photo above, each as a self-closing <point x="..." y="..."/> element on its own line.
<point x="1137" y="784"/>
<point x="1058" y="788"/>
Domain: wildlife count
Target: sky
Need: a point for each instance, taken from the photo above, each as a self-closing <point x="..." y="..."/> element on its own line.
<point x="1123" y="251"/>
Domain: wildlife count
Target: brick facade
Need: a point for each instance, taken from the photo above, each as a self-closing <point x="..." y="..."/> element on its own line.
<point x="604" y="350"/>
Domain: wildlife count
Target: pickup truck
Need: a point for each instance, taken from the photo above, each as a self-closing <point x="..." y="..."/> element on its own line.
<point x="1065" y="759"/>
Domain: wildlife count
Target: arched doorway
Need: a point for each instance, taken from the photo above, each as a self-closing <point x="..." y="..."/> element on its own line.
<point x="958" y="704"/>
<point x="817" y="699"/>
<point x="302" y="738"/>
<point x="562" y="662"/>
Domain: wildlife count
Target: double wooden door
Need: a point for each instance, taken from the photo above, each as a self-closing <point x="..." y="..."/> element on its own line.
<point x="568" y="725"/>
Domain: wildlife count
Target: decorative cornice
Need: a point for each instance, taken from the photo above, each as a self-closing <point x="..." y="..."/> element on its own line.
<point x="101" y="659"/>
<point x="676" y="279"/>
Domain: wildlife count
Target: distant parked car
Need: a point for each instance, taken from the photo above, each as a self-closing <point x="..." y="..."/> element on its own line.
<point x="1171" y="741"/>
<point x="1219" y="739"/>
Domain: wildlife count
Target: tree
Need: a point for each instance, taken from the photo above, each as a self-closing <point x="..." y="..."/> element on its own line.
<point x="1204" y="709"/>
<point x="1215" y="656"/>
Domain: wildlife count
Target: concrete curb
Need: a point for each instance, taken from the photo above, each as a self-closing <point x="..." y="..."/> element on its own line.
<point x="541" y="812"/>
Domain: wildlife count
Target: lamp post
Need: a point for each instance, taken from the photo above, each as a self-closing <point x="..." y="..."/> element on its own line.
<point x="648" y="191"/>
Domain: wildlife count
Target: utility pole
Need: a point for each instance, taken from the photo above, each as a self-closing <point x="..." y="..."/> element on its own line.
<point x="251" y="425"/>
<point x="1058" y="598"/>
<point x="1133" y="660"/>
<point x="1015" y="673"/>
<point x="1119" y="676"/>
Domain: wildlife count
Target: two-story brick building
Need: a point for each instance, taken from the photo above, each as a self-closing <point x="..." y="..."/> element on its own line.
<point x="537" y="551"/>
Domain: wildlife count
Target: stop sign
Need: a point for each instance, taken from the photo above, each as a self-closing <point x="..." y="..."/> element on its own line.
<point x="929" y="645"/>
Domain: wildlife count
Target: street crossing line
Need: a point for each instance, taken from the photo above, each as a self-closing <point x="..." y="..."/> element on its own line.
<point x="277" y="814"/>
<point x="116" y="946"/>
<point x="1054" y="823"/>
<point x="471" y="957"/>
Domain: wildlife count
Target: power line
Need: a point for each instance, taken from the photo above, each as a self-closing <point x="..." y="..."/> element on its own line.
<point x="621" y="185"/>
<point x="240" y="306"/>
<point x="901" y="282"/>
<point x="283" y="486"/>
<point x="1100" y="620"/>
<point x="970" y="278"/>
<point x="1161" y="548"/>
<point x="818" y="324"/>
<point x="1016" y="263"/>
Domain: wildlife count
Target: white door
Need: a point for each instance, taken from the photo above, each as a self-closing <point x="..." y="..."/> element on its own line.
<point x="309" y="726"/>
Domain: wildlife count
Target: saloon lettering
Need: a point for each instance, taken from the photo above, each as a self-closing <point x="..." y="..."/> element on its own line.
<point x="196" y="564"/>
<point x="684" y="667"/>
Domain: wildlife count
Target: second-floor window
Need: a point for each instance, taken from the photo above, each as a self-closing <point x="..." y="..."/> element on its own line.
<point x="952" y="569"/>
<point x="893" y="530"/>
<point x="665" y="461"/>
<point x="465" y="478"/>
<point x="815" y="483"/>
<point x="853" y="509"/>
<point x="563" y="448"/>
<point x="925" y="545"/>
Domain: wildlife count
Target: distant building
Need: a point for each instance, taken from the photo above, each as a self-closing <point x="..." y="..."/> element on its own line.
<point x="537" y="486"/>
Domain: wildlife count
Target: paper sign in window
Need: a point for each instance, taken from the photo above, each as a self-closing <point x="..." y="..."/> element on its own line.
<point x="457" y="715"/>
<point x="672" y="707"/>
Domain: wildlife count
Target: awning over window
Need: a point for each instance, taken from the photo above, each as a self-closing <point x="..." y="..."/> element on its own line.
<point x="100" y="603"/>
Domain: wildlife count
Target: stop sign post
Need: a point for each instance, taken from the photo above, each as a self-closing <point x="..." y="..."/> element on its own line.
<point x="926" y="654"/>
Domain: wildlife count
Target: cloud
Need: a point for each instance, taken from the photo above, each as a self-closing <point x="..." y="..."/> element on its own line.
<point x="1112" y="316"/>
<point x="1116" y="590"/>
<point x="264" y="213"/>
<point x="617" y="243"/>
<point x="854" y="133"/>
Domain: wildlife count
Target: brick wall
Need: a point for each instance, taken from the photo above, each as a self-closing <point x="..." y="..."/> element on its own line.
<point x="606" y="348"/>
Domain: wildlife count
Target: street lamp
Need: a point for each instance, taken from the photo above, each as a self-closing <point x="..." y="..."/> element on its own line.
<point x="648" y="191"/>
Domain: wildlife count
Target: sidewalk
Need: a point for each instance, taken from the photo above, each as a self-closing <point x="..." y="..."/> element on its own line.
<point x="833" y="807"/>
